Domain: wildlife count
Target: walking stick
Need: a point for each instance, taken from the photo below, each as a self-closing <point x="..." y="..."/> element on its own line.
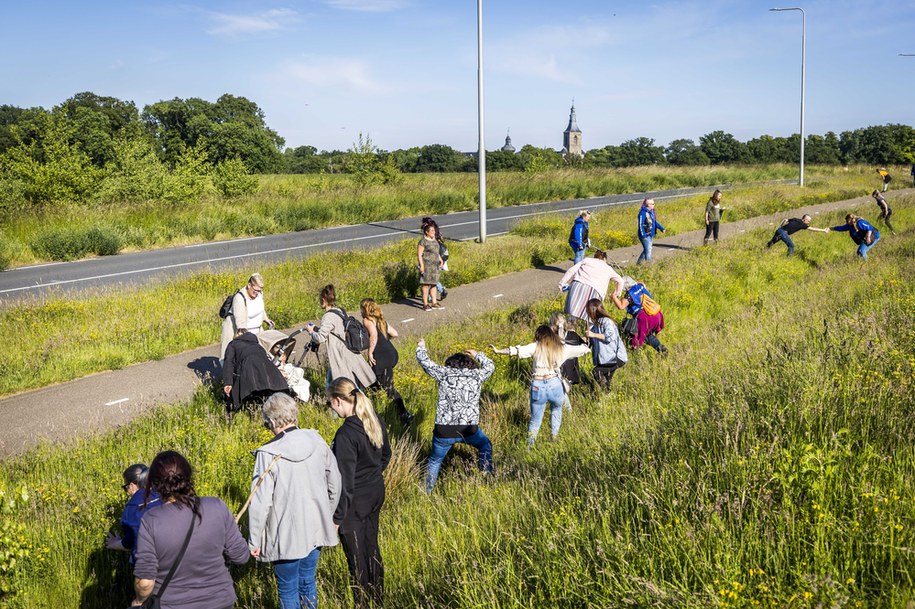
<point x="257" y="485"/>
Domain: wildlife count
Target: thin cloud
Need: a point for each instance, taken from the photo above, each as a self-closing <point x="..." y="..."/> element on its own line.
<point x="368" y="6"/>
<point x="231" y="25"/>
<point x="333" y="72"/>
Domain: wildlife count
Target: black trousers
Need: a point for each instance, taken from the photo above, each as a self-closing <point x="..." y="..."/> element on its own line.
<point x="604" y="374"/>
<point x="359" y="538"/>
<point x="710" y="228"/>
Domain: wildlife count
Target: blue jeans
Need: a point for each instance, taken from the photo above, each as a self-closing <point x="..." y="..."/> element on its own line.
<point x="783" y="236"/>
<point x="579" y="256"/>
<point x="863" y="247"/>
<point x="551" y="391"/>
<point x="645" y="256"/>
<point x="296" y="583"/>
<point x="441" y="446"/>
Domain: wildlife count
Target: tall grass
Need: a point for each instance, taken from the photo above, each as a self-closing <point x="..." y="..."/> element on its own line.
<point x="767" y="462"/>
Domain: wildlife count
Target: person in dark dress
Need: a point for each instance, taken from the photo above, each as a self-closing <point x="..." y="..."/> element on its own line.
<point x="789" y="227"/>
<point x="248" y="372"/>
<point x="885" y="210"/>
<point x="383" y="355"/>
<point x="362" y="450"/>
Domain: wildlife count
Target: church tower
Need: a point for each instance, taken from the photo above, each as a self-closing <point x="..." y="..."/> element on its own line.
<point x="571" y="137"/>
<point x="508" y="144"/>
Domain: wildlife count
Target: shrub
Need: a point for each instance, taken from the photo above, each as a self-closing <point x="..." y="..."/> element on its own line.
<point x="70" y="244"/>
<point x="14" y="546"/>
<point x="231" y="179"/>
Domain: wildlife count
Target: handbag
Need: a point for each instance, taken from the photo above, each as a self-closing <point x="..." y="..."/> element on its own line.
<point x="629" y="326"/>
<point x="152" y="601"/>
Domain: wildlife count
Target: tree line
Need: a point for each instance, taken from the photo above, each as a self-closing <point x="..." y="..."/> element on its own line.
<point x="93" y="148"/>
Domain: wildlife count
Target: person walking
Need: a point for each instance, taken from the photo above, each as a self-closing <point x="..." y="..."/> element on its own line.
<point x="570" y="369"/>
<point x="548" y="352"/>
<point x="247" y="313"/>
<point x="362" y="450"/>
<point x="291" y="513"/>
<point x="648" y="227"/>
<point x="457" y="412"/>
<point x="885" y="211"/>
<point x="790" y="226"/>
<point x="578" y="236"/>
<point x="341" y="362"/>
<point x="383" y="355"/>
<point x="188" y="537"/>
<point x="588" y="279"/>
<point x="861" y="232"/>
<point x="713" y="211"/>
<point x="442" y="251"/>
<point x="649" y="324"/>
<point x="430" y="265"/>
<point x="886" y="177"/>
<point x="138" y="502"/>
<point x="913" y="174"/>
<point x="607" y="349"/>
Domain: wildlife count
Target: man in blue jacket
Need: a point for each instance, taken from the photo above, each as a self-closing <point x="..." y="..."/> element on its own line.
<point x="861" y="232"/>
<point x="578" y="237"/>
<point x="648" y="227"/>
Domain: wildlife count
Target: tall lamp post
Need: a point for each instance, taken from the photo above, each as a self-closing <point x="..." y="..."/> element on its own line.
<point x="481" y="149"/>
<point x="803" y="54"/>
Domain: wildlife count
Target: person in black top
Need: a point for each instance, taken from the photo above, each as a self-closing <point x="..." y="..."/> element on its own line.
<point x="789" y="227"/>
<point x="383" y="355"/>
<point x="363" y="452"/>
<point x="885" y="211"/>
<point x="247" y="371"/>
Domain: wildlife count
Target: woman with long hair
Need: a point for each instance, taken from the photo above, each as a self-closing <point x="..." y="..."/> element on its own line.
<point x="588" y="279"/>
<point x="340" y="360"/>
<point x="430" y="264"/>
<point x="713" y="211"/>
<point x="547" y="353"/>
<point x="201" y="579"/>
<point x="363" y="452"/>
<point x="442" y="251"/>
<point x="382" y="354"/>
<point x="607" y="349"/>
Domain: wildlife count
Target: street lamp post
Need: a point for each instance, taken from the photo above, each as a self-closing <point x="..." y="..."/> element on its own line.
<point x="803" y="54"/>
<point x="481" y="149"/>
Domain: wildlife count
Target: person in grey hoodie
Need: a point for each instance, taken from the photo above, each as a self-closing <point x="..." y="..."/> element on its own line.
<point x="291" y="513"/>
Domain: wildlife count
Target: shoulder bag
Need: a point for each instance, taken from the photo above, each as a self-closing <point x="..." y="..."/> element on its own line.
<point x="152" y="601"/>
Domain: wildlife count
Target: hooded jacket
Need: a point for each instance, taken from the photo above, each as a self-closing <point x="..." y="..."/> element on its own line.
<point x="248" y="369"/>
<point x="578" y="237"/>
<point x="292" y="512"/>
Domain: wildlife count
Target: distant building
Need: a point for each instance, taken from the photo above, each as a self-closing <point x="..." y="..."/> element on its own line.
<point x="508" y="144"/>
<point x="571" y="137"/>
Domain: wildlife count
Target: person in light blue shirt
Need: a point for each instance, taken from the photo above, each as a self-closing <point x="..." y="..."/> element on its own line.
<point x="861" y="232"/>
<point x="648" y="228"/>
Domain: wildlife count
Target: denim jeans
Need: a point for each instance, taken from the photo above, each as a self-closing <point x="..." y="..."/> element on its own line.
<point x="296" y="583"/>
<point x="441" y="446"/>
<point x="783" y="236"/>
<point x="542" y="392"/>
<point x="863" y="247"/>
<point x="645" y="256"/>
<point x="579" y="256"/>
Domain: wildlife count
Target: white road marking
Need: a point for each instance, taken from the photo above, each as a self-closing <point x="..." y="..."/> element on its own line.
<point x="35" y="266"/>
<point x="498" y="295"/>
<point x="122" y="400"/>
<point x="408" y="320"/>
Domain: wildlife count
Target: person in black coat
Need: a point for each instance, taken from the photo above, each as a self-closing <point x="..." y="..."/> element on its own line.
<point x="248" y="372"/>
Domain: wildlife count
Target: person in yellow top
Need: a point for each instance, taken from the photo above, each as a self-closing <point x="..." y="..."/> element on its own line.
<point x="885" y="175"/>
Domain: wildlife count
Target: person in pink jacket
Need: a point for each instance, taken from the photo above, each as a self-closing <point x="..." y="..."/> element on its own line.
<point x="588" y="279"/>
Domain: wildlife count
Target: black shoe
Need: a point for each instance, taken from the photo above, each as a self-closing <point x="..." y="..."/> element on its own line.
<point x="663" y="351"/>
<point x="443" y="295"/>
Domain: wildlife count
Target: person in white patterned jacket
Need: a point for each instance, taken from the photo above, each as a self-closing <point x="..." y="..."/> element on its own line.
<point x="457" y="415"/>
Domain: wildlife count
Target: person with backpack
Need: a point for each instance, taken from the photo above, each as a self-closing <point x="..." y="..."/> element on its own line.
<point x="886" y="177"/>
<point x="334" y="328"/>
<point x="457" y="414"/>
<point x="246" y="312"/>
<point x="607" y="349"/>
<point x="639" y="304"/>
<point x="442" y="251"/>
<point x="578" y="236"/>
<point x="647" y="229"/>
<point x="861" y="232"/>
<point x="790" y="226"/>
<point x="885" y="210"/>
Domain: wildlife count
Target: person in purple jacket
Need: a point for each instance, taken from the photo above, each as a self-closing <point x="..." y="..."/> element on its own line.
<point x="861" y="232"/>
<point x="201" y="579"/>
<point x="648" y="228"/>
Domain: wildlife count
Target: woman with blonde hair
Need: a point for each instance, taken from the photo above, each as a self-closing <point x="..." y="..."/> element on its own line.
<point x="547" y="353"/>
<point x="382" y="354"/>
<point x="247" y="312"/>
<point x="362" y="450"/>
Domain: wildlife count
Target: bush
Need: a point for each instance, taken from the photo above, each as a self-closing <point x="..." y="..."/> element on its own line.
<point x="71" y="244"/>
<point x="231" y="179"/>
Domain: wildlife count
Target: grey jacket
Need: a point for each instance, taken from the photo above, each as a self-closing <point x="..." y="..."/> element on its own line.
<point x="292" y="512"/>
<point x="341" y="361"/>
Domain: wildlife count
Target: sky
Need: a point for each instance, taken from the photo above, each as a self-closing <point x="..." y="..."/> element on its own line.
<point x="404" y="72"/>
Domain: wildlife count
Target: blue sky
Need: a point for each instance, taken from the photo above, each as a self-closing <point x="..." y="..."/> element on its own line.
<point x="404" y="71"/>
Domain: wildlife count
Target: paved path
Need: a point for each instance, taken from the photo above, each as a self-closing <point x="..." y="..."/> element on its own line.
<point x="109" y="399"/>
<point x="252" y="252"/>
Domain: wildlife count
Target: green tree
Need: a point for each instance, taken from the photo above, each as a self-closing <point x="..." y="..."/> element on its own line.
<point x="639" y="152"/>
<point x="721" y="147"/>
<point x="304" y="159"/>
<point x="685" y="152"/>
<point x="363" y="161"/>
<point x="538" y="160"/>
<point x="97" y="121"/>
<point x="439" y="158"/>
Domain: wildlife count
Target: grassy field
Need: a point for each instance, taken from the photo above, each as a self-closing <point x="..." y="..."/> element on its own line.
<point x="300" y="202"/>
<point x="767" y="462"/>
<point x="66" y="341"/>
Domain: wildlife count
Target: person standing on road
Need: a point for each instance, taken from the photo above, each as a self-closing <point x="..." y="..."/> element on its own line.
<point x="292" y="511"/>
<point x="885" y="211"/>
<point x="886" y="177"/>
<point x="578" y="236"/>
<point x="588" y="279"/>
<point x="789" y="227"/>
<point x="383" y="355"/>
<point x="713" y="211"/>
<point x="247" y="313"/>
<point x="861" y="232"/>
<point x="648" y="227"/>
<point x="457" y="411"/>
<point x="340" y="360"/>
<point x="430" y="265"/>
<point x="362" y="450"/>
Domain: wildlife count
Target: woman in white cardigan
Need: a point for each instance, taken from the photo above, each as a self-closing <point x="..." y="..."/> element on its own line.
<point x="247" y="312"/>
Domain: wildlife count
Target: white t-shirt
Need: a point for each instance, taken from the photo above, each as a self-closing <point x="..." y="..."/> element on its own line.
<point x="255" y="309"/>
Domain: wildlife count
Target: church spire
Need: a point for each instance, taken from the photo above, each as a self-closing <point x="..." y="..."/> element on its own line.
<point x="573" y="124"/>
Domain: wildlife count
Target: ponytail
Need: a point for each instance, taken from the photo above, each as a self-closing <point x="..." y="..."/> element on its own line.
<point x="346" y="390"/>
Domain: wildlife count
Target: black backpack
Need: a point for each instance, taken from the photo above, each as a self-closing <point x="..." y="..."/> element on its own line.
<point x="226" y="309"/>
<point x="355" y="336"/>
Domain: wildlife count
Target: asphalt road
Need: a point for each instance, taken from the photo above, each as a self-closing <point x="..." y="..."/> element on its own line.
<point x="156" y="265"/>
